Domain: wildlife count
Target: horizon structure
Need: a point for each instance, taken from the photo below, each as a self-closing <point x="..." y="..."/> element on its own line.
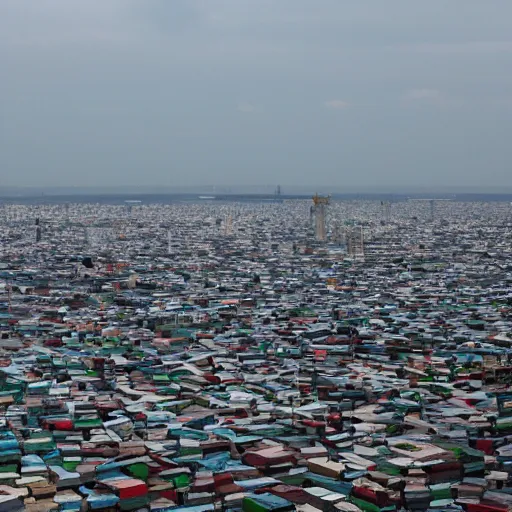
<point x="125" y="195"/>
<point x="355" y="242"/>
<point x="38" y="230"/>
<point x="320" y="204"/>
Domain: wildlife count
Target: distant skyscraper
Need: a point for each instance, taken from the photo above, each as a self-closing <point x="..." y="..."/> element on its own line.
<point x="355" y="242"/>
<point x="38" y="231"/>
<point x="320" y="204"/>
<point x="66" y="209"/>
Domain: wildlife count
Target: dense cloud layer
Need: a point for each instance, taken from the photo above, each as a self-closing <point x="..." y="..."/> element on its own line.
<point x="189" y="92"/>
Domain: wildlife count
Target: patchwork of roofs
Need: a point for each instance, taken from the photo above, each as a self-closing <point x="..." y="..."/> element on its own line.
<point x="213" y="356"/>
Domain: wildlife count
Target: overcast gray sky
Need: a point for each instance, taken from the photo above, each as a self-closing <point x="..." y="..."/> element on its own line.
<point x="298" y="92"/>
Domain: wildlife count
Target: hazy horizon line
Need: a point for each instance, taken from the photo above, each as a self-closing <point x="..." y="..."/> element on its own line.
<point x="285" y="190"/>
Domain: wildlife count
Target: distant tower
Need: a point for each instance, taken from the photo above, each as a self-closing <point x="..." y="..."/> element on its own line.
<point x="278" y="191"/>
<point x="228" y="225"/>
<point x="169" y="242"/>
<point x="355" y="242"/>
<point x="320" y="204"/>
<point x="432" y="205"/>
<point x="337" y="235"/>
<point x="66" y="210"/>
<point x="38" y="231"/>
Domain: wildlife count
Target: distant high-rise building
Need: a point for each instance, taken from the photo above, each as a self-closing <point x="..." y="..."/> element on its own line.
<point x="319" y="211"/>
<point x="66" y="209"/>
<point x="228" y="224"/>
<point x="38" y="230"/>
<point x="355" y="242"/>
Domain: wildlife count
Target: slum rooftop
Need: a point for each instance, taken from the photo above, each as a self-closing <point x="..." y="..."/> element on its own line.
<point x="214" y="355"/>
